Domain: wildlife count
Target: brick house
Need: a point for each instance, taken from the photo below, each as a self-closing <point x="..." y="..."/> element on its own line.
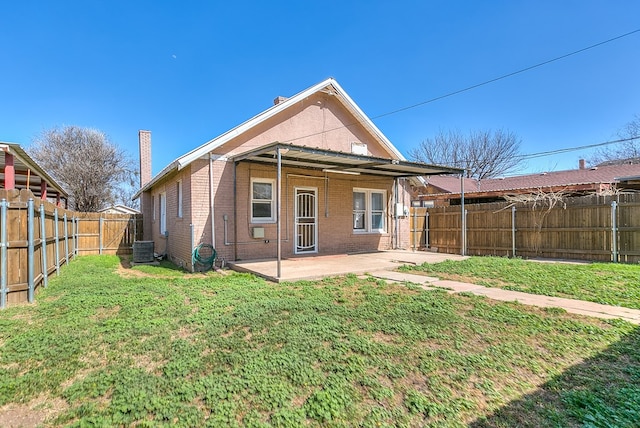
<point x="343" y="186"/>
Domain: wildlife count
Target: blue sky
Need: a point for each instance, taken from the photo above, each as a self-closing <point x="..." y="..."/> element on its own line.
<point x="190" y="70"/>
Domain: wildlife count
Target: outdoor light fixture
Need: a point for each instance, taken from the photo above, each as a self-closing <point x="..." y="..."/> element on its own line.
<point x="337" y="171"/>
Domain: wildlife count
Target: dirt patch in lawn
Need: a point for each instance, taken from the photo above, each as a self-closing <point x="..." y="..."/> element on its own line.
<point x="31" y="414"/>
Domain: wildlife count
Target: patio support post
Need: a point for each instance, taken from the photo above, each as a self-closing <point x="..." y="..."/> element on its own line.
<point x="463" y="223"/>
<point x="395" y="213"/>
<point x="3" y="254"/>
<point x="278" y="212"/>
<point x="9" y="172"/>
<point x="235" y="210"/>
<point x="614" y="231"/>
<point x="513" y="231"/>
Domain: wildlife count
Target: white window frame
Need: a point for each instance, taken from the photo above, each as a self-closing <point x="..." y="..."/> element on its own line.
<point x="368" y="211"/>
<point x="272" y="201"/>
<point x="179" y="189"/>
<point x="163" y="213"/>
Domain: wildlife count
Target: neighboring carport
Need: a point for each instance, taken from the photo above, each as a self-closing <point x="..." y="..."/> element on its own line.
<point x="288" y="155"/>
<point x="20" y="171"/>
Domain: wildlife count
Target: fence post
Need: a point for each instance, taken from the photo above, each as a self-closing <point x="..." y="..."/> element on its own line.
<point x="100" y="230"/>
<point x="76" y="231"/>
<point x="30" y="251"/>
<point x="3" y="254"/>
<point x="513" y="231"/>
<point x="66" y="240"/>
<point x="614" y="231"/>
<point x="464" y="232"/>
<point x="43" y="247"/>
<point x="57" y="239"/>
<point x="426" y="230"/>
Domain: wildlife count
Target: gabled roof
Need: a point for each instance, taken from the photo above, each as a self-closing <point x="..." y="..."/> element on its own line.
<point x="328" y="85"/>
<point x="35" y="175"/>
<point x="601" y="175"/>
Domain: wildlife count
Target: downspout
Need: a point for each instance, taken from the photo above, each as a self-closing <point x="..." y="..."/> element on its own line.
<point x="211" y="202"/>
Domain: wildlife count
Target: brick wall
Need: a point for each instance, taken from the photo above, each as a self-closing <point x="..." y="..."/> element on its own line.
<point x="177" y="245"/>
<point x="335" y="213"/>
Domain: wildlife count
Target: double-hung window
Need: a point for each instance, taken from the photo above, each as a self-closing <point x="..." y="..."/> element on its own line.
<point x="369" y="210"/>
<point x="262" y="200"/>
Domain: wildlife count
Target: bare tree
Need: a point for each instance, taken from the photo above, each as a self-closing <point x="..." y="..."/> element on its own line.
<point x="483" y="154"/>
<point x="627" y="151"/>
<point x="86" y="163"/>
<point x="541" y="203"/>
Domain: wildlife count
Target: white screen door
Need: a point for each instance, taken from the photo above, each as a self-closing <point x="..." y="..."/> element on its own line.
<point x="306" y="220"/>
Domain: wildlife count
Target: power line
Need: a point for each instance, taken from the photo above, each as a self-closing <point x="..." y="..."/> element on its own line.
<point x="450" y="94"/>
<point x="574" y="149"/>
<point x="464" y="162"/>
<point x="470" y="87"/>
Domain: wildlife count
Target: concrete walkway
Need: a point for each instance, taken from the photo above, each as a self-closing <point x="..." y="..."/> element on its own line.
<point x="570" y="305"/>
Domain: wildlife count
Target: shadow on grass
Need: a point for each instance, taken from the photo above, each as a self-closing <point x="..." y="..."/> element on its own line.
<point x="603" y="391"/>
<point x="163" y="265"/>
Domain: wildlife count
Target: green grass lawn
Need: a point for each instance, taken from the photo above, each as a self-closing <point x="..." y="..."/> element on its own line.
<point x="110" y="346"/>
<point x="607" y="283"/>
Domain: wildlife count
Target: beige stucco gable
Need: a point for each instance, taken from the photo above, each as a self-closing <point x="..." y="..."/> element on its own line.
<point x="318" y="121"/>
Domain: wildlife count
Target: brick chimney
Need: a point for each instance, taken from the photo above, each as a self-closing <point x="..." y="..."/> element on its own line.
<point x="581" y="164"/>
<point x="144" y="139"/>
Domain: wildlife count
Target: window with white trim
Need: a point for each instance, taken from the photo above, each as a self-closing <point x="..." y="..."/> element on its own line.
<point x="179" y="190"/>
<point x="263" y="200"/>
<point x="163" y="213"/>
<point x="369" y="210"/>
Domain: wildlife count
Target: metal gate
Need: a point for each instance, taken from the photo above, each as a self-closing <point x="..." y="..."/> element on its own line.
<point x="306" y="220"/>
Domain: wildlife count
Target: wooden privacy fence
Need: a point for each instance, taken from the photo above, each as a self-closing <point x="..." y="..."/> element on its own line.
<point x="36" y="238"/>
<point x="598" y="228"/>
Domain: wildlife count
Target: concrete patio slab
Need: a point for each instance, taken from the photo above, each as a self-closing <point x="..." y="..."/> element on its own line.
<point x="308" y="268"/>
